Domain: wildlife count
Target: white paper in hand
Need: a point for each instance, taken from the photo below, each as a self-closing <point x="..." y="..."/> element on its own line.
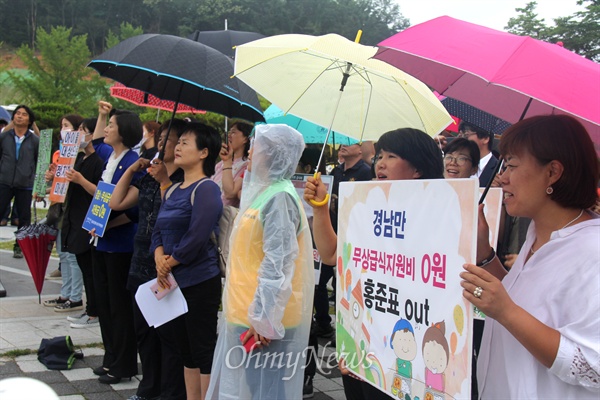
<point x="160" y="312"/>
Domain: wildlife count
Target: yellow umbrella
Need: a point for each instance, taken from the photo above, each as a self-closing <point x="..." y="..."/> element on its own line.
<point x="301" y="75"/>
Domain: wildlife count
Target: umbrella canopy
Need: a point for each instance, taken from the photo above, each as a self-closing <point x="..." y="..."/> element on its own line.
<point x="36" y="243"/>
<point x="482" y="119"/>
<point x="302" y="74"/>
<point x="225" y="41"/>
<point x="312" y="133"/>
<point x="180" y="70"/>
<point x="5" y="114"/>
<point x="508" y="76"/>
<point x="142" y="99"/>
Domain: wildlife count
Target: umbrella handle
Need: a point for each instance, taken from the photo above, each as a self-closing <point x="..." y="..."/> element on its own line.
<point x="322" y="202"/>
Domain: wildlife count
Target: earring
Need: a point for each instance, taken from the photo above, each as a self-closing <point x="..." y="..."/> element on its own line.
<point x="549" y="190"/>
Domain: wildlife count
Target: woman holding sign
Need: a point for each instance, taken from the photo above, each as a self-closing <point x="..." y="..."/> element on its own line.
<point x="402" y="154"/>
<point x="541" y="339"/>
<point x="112" y="256"/>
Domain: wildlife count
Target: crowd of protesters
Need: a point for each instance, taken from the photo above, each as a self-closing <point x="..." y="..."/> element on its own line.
<point x="172" y="182"/>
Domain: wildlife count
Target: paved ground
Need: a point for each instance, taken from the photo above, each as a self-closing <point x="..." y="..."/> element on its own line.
<point x="24" y="323"/>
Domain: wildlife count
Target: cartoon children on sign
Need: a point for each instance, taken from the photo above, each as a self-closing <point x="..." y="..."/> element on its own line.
<point x="405" y="347"/>
<point x="404" y="344"/>
<point x="436" y="355"/>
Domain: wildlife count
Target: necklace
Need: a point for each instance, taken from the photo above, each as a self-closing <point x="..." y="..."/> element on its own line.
<point x="568" y="224"/>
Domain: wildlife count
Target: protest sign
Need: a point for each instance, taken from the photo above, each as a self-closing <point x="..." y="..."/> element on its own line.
<point x="402" y="322"/>
<point x="98" y="212"/>
<point x="43" y="161"/>
<point x="68" y="153"/>
<point x="299" y="181"/>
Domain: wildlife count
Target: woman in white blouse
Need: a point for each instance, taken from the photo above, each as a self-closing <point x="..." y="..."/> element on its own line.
<point x="542" y="337"/>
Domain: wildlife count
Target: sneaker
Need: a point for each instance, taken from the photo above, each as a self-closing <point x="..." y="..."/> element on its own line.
<point x="56" y="274"/>
<point x="69" y="306"/>
<point x="323" y="331"/>
<point x="85" y="322"/>
<point x="307" y="389"/>
<point x="75" y="318"/>
<point x="55" y="302"/>
<point x="17" y="253"/>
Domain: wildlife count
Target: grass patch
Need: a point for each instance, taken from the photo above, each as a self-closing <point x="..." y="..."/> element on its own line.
<point x="18" y="353"/>
<point x="25" y="352"/>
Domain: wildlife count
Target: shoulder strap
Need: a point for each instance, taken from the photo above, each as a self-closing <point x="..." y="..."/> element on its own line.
<point x="176" y="185"/>
<point x="193" y="196"/>
<point x="171" y="190"/>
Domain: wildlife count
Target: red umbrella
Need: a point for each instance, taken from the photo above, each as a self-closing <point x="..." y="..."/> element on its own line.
<point x="508" y="76"/>
<point x="36" y="242"/>
<point x="143" y="99"/>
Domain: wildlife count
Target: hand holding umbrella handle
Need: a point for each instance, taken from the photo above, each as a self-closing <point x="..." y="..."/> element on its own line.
<point x="321" y="203"/>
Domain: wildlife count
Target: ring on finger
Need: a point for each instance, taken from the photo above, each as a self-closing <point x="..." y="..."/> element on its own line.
<point x="478" y="291"/>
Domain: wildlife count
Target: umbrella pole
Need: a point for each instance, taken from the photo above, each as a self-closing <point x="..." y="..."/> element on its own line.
<point x="161" y="155"/>
<point x="337" y="104"/>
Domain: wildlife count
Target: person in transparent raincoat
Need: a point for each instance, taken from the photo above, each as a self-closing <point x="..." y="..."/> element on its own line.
<point x="270" y="279"/>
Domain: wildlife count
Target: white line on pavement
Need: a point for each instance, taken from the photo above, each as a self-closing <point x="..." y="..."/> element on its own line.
<point x="25" y="273"/>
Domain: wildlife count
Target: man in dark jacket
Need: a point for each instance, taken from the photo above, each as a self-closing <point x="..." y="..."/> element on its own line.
<point x="18" y="160"/>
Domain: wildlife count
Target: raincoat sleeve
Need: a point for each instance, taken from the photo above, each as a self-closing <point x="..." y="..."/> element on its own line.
<point x="281" y="220"/>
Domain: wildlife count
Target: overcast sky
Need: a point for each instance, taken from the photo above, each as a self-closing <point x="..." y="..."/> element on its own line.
<point x="491" y="13"/>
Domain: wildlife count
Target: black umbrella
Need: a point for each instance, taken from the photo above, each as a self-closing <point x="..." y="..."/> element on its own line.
<point x="224" y="41"/>
<point x="180" y="70"/>
<point x="475" y="116"/>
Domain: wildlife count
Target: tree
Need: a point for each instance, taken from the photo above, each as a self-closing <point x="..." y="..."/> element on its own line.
<point x="528" y="23"/>
<point x="126" y="30"/>
<point x="579" y="32"/>
<point x="59" y="74"/>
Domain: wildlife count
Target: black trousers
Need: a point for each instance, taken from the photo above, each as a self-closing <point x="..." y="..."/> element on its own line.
<point x="322" y="316"/>
<point x="197" y="329"/>
<point x="162" y="365"/>
<point x="115" y="311"/>
<point x="84" y="260"/>
<point x="22" y="202"/>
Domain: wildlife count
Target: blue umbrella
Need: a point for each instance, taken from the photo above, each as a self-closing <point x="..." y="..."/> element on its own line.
<point x="312" y="133"/>
<point x="5" y="114"/>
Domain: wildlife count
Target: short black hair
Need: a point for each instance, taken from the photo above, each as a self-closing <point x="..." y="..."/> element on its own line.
<point x="130" y="127"/>
<point x="462" y="143"/>
<point x="177" y="127"/>
<point x="89" y="124"/>
<point x="416" y="147"/>
<point x="206" y="138"/>
<point x="481" y="133"/>
<point x="29" y="111"/>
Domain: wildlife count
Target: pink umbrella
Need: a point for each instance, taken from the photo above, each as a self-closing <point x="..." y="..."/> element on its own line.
<point x="508" y="76"/>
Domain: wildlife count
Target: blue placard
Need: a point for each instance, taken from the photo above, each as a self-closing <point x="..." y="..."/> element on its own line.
<point x="98" y="213"/>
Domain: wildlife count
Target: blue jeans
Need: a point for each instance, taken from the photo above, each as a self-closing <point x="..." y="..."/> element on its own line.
<point x="72" y="277"/>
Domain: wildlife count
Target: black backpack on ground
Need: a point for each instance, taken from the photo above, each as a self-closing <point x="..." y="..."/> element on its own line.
<point x="58" y="353"/>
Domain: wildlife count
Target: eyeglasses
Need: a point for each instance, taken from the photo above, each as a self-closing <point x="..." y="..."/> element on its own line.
<point x="460" y="160"/>
<point x="466" y="134"/>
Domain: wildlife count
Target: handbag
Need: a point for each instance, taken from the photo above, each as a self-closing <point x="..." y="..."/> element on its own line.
<point x="54" y="214"/>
